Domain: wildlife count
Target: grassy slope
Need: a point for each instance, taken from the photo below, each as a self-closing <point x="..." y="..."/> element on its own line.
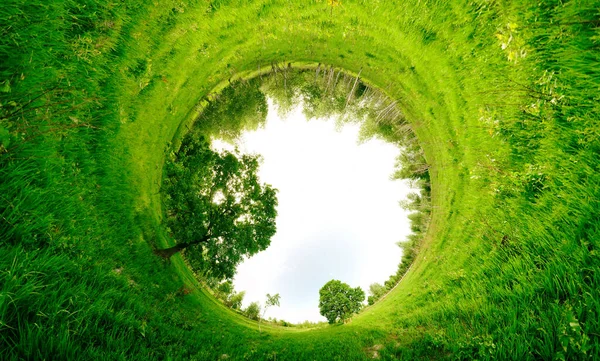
<point x="509" y="269"/>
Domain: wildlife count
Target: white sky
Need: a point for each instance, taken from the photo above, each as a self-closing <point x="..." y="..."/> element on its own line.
<point x="338" y="213"/>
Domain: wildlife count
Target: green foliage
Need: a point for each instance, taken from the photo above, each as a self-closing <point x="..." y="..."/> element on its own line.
<point x="216" y="207"/>
<point x="4" y="138"/>
<point x="412" y="164"/>
<point x="272" y="300"/>
<point x="338" y="301"/>
<point x="252" y="311"/>
<point x="235" y="300"/>
<point x="240" y="106"/>
<point x="332" y="92"/>
<point x="376" y="290"/>
<point x="224" y="291"/>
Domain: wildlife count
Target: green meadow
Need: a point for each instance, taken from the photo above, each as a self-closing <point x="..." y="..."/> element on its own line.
<point x="504" y="97"/>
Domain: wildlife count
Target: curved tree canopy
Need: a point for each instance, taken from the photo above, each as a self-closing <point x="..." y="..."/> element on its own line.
<point x="338" y="301"/>
<point x="217" y="209"/>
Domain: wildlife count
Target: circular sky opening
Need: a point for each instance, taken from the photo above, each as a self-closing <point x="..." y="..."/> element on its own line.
<point x="338" y="213"/>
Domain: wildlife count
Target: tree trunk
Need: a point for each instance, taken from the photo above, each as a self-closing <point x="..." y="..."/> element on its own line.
<point x="353" y="89"/>
<point x="168" y="252"/>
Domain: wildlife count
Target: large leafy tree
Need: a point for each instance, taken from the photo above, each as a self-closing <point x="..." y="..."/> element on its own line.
<point x="217" y="209"/>
<point x="338" y="301"/>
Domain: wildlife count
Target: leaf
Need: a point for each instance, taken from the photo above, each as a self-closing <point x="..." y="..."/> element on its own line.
<point x="5" y="86"/>
<point x="4" y="137"/>
<point x="574" y="325"/>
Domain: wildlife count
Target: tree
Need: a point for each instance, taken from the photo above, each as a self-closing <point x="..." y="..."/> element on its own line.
<point x="217" y="210"/>
<point x="252" y="311"/>
<point x="226" y="293"/>
<point x="411" y="163"/>
<point x="240" y="106"/>
<point x="235" y="300"/>
<point x="338" y="301"/>
<point x="224" y="289"/>
<point x="271" y="301"/>
<point x="376" y="290"/>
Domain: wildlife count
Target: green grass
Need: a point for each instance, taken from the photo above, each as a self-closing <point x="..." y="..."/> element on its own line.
<point x="93" y="95"/>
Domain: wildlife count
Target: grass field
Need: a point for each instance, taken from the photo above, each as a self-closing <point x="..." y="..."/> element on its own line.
<point x="503" y="95"/>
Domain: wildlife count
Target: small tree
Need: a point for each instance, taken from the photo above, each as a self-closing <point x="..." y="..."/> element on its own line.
<point x="338" y="301"/>
<point x="217" y="209"/>
<point x="235" y="300"/>
<point x="376" y="290"/>
<point x="252" y="311"/>
<point x="271" y="301"/>
<point x="224" y="289"/>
